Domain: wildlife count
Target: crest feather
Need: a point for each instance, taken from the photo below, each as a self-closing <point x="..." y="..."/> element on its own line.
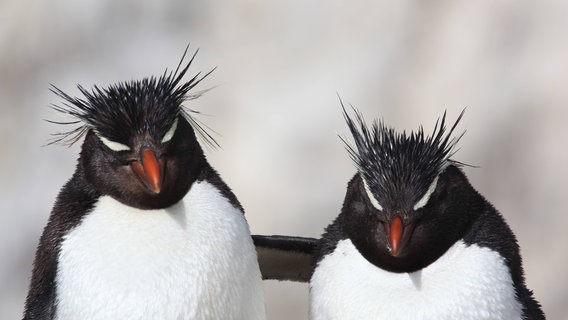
<point x="120" y="110"/>
<point x="391" y="162"/>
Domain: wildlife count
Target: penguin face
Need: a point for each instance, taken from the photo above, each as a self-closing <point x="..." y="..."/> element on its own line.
<point x="140" y="144"/>
<point x="400" y="198"/>
<point x="150" y="174"/>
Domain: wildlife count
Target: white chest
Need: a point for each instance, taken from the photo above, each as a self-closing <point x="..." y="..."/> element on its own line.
<point x="194" y="260"/>
<point x="467" y="282"/>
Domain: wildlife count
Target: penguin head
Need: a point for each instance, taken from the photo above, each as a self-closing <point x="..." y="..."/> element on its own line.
<point x="397" y="205"/>
<point x="140" y="142"/>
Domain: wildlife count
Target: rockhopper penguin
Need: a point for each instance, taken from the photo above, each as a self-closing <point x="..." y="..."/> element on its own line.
<point x="145" y="228"/>
<point x="414" y="240"/>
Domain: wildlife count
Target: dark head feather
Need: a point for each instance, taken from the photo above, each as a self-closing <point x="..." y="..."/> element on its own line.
<point x="129" y="108"/>
<point x="396" y="164"/>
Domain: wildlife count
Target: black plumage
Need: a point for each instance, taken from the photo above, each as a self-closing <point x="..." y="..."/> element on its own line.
<point x="127" y="109"/>
<point x="393" y="163"/>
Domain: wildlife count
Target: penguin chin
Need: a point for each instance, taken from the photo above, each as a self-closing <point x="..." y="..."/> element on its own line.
<point x="133" y="192"/>
<point x="402" y="263"/>
<point x="418" y="251"/>
<point x="145" y="198"/>
<point x="410" y="258"/>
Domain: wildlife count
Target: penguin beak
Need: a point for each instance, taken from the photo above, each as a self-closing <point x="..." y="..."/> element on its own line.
<point x="395" y="232"/>
<point x="149" y="169"/>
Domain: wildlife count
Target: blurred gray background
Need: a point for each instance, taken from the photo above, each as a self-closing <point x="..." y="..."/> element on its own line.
<point x="280" y="64"/>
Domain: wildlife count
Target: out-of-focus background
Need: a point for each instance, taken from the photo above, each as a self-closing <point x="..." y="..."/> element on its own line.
<point x="280" y="66"/>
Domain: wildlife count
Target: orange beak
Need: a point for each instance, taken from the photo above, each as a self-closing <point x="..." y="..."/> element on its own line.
<point x="394" y="232"/>
<point x="149" y="170"/>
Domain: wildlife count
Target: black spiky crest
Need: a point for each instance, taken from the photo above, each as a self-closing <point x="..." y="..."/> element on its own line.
<point x="121" y="110"/>
<point x="395" y="164"/>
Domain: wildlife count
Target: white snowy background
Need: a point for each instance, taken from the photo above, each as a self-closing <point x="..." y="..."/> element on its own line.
<point x="280" y="66"/>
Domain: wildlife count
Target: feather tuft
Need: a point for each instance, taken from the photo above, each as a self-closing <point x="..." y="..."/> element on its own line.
<point x="125" y="109"/>
<point x="399" y="165"/>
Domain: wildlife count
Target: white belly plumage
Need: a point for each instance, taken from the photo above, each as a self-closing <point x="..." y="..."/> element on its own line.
<point x="193" y="260"/>
<point x="467" y="282"/>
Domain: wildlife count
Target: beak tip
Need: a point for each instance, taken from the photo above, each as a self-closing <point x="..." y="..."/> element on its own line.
<point x="394" y="252"/>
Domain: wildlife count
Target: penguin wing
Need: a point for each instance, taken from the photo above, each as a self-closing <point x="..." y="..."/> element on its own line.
<point x="285" y="257"/>
<point x="491" y="230"/>
<point x="73" y="202"/>
<point x="40" y="302"/>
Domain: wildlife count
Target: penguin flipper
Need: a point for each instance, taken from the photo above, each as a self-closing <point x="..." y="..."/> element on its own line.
<point x="75" y="199"/>
<point x="285" y="257"/>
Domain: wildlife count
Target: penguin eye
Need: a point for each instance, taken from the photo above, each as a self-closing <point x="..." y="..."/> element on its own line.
<point x="424" y="200"/>
<point x="113" y="145"/>
<point x="170" y="134"/>
<point x="371" y="197"/>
